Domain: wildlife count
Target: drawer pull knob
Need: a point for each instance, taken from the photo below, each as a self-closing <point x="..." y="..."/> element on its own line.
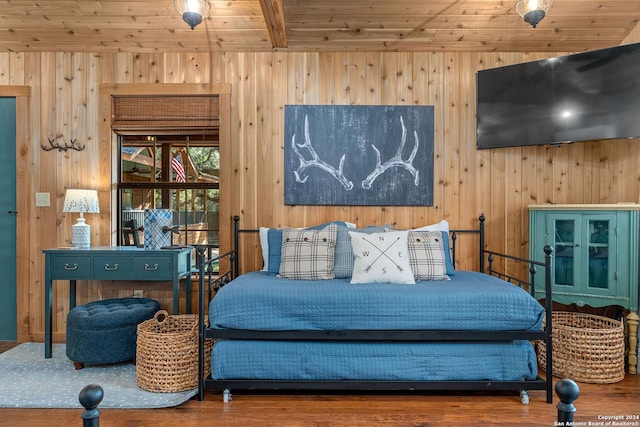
<point x="147" y="267"/>
<point x="71" y="267"/>
<point x="109" y="268"/>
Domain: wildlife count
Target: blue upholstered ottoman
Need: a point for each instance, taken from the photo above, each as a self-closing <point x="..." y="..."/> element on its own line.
<point x="104" y="331"/>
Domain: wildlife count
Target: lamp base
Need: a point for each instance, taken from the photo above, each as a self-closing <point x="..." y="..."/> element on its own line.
<point x="81" y="234"/>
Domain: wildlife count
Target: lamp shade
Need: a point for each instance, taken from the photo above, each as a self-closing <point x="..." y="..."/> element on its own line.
<point x="82" y="201"/>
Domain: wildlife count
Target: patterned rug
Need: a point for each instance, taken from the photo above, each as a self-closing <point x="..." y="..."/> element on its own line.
<point x="28" y="380"/>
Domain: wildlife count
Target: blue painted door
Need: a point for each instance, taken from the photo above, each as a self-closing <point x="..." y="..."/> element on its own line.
<point x="8" y="326"/>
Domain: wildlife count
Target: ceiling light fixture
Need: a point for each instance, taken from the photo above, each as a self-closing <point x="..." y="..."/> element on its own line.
<point x="533" y="11"/>
<point x="193" y="11"/>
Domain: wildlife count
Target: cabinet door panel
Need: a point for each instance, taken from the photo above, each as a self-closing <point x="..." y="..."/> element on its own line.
<point x="565" y="230"/>
<point x="599" y="244"/>
<point x="600" y="277"/>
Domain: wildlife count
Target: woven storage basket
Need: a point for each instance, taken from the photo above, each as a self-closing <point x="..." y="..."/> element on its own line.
<point x="586" y="348"/>
<point x="167" y="353"/>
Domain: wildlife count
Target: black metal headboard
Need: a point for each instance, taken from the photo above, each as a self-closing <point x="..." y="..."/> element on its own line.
<point x="485" y="256"/>
<point x="453" y="233"/>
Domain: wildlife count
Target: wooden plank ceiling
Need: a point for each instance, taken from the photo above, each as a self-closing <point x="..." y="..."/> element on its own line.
<point x="312" y="25"/>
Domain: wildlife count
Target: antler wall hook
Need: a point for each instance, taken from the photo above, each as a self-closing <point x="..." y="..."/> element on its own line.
<point x="65" y="146"/>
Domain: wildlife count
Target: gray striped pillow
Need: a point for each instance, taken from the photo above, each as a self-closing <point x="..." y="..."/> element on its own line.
<point x="344" y="251"/>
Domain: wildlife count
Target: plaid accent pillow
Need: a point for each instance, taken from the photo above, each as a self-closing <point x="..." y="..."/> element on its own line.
<point x="273" y="245"/>
<point x="442" y="226"/>
<point x="308" y="254"/>
<point x="426" y="255"/>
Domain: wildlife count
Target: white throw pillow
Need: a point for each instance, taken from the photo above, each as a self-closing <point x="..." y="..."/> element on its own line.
<point x="264" y="245"/>
<point x="441" y="226"/>
<point x="381" y="258"/>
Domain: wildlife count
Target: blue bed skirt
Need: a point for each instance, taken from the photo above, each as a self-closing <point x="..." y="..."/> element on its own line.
<point x="285" y="360"/>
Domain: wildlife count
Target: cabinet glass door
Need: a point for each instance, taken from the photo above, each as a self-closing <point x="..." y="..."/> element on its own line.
<point x="565" y="236"/>
<point x="599" y="242"/>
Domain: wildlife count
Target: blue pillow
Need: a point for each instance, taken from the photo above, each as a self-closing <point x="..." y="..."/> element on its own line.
<point x="447" y="254"/>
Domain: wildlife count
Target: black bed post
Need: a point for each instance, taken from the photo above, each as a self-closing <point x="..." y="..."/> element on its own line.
<point x="90" y="397"/>
<point x="236" y="232"/>
<point x="481" y="219"/>
<point x="568" y="391"/>
<point x="548" y="302"/>
<point x="201" y="307"/>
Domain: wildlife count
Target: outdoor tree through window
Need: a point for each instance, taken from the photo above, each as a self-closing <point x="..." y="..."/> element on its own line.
<point x="176" y="172"/>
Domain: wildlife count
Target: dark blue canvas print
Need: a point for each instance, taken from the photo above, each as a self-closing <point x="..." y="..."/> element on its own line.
<point x="358" y="155"/>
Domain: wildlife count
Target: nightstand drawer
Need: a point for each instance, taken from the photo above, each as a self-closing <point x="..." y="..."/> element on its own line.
<point x="112" y="267"/>
<point x="71" y="267"/>
<point x="152" y="268"/>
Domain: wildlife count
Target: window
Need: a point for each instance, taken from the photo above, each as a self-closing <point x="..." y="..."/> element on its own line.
<point x="179" y="172"/>
<point x="169" y="158"/>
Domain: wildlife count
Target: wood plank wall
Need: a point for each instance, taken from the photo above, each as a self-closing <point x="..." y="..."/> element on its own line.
<point x="499" y="183"/>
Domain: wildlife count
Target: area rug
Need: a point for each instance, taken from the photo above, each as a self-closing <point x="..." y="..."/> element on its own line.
<point x="28" y="380"/>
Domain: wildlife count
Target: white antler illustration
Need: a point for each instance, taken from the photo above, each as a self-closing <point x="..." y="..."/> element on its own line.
<point x="316" y="161"/>
<point x="396" y="161"/>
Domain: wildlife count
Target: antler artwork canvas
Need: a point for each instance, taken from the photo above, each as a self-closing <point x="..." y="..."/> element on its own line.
<point x="358" y="155"/>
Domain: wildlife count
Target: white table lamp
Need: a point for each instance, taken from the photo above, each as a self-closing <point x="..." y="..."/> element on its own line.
<point x="82" y="201"/>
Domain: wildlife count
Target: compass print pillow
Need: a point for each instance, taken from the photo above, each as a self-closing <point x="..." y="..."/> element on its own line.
<point x="381" y="258"/>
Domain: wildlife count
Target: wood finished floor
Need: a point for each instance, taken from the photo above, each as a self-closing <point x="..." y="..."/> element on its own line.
<point x="380" y="409"/>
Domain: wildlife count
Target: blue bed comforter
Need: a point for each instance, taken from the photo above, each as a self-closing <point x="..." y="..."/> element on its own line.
<point x="469" y="301"/>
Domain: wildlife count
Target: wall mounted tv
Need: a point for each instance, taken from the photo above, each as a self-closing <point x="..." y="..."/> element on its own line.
<point x="581" y="97"/>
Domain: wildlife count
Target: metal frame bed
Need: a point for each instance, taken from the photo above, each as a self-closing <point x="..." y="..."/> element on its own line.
<point x="212" y="280"/>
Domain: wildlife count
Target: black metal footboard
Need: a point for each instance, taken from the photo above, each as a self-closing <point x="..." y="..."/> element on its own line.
<point x="206" y="281"/>
<point x="530" y="286"/>
<point x="210" y="278"/>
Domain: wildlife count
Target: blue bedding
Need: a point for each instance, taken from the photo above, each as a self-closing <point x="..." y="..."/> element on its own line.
<point x="285" y="360"/>
<point x="469" y="301"/>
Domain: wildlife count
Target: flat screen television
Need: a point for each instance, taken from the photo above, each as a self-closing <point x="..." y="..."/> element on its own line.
<point x="581" y="97"/>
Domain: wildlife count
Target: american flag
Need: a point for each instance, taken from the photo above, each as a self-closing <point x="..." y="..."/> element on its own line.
<point x="178" y="170"/>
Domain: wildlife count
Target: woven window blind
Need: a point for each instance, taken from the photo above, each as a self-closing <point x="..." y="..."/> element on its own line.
<point x="164" y="113"/>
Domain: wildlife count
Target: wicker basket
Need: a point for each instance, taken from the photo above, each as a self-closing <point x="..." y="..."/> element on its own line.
<point x="586" y="348"/>
<point x="167" y="353"/>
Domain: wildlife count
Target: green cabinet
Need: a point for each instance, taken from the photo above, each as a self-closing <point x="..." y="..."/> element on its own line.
<point x="595" y="258"/>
